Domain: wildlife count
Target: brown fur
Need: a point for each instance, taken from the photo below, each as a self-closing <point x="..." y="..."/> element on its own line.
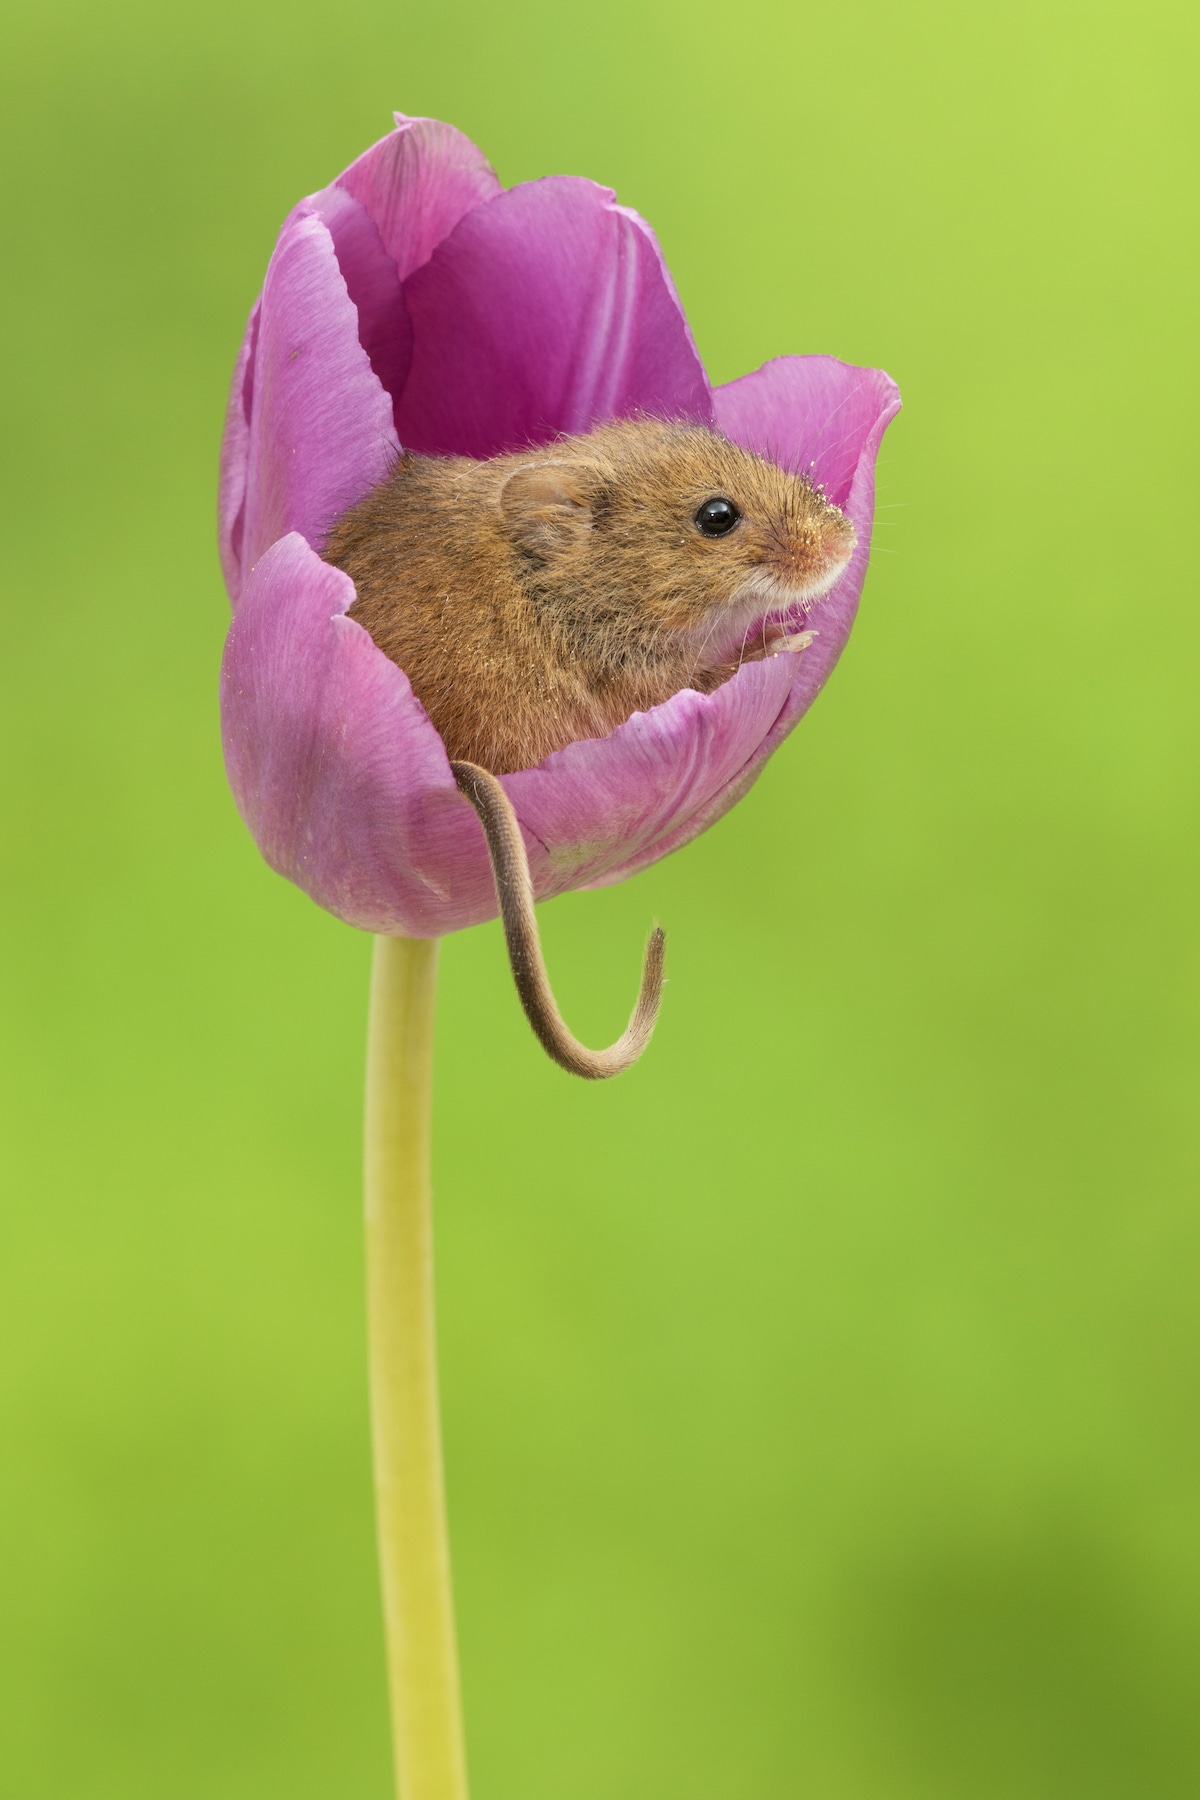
<point x="543" y="597"/>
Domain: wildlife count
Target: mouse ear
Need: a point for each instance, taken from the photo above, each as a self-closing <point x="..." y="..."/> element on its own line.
<point x="546" y="506"/>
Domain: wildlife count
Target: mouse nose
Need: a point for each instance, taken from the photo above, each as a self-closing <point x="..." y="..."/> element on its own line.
<point x="821" y="547"/>
<point x="838" y="539"/>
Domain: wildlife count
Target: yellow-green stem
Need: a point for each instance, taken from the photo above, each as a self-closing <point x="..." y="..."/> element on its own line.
<point x="410" y="1496"/>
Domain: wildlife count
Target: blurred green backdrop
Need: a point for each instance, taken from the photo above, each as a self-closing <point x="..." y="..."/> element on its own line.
<point x="822" y="1398"/>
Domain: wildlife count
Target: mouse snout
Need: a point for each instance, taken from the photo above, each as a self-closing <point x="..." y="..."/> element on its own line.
<point x="817" y="550"/>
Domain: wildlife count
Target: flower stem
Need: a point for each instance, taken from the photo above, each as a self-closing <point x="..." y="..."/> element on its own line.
<point x="410" y="1497"/>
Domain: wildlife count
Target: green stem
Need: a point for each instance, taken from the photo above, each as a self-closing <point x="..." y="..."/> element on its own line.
<point x="410" y="1496"/>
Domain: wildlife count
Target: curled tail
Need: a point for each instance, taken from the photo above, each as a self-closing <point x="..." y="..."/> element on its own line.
<point x="514" y="890"/>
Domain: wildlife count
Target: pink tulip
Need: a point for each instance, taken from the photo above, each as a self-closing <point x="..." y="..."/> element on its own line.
<point x="416" y="302"/>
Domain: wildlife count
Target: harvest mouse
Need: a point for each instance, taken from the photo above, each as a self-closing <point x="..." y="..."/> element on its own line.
<point x="537" y="598"/>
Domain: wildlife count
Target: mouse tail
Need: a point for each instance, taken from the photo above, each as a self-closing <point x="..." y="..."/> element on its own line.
<point x="514" y="890"/>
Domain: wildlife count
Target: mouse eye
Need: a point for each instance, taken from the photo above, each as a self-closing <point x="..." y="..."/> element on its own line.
<point x="717" y="516"/>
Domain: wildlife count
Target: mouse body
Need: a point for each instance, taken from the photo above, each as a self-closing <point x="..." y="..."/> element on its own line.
<point x="538" y="598"/>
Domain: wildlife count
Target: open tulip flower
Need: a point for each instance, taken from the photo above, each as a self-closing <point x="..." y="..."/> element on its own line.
<point x="415" y="304"/>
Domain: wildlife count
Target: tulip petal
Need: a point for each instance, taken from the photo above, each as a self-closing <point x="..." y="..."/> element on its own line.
<point x="372" y="283"/>
<point x="416" y="184"/>
<point x="548" y="310"/>
<point x="335" y="766"/>
<point x="603" y="803"/>
<point x="321" y="432"/>
<point x="235" y="452"/>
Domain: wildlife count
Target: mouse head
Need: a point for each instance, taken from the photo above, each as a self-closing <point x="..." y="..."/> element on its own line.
<point x="674" y="524"/>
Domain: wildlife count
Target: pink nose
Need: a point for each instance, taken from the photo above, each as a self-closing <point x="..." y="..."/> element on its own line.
<point x="821" y="548"/>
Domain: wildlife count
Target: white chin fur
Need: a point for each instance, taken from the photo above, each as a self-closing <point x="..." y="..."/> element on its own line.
<point x="767" y="594"/>
<point x="766" y="597"/>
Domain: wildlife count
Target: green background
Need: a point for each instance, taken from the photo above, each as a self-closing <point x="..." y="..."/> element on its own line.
<point x="821" y="1399"/>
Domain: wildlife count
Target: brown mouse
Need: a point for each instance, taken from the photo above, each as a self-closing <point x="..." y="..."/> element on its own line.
<point x="542" y="597"/>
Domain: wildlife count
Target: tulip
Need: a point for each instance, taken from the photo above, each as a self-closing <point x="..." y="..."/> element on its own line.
<point x="416" y="303"/>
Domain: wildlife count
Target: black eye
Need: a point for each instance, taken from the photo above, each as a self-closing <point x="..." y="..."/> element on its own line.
<point x="718" y="516"/>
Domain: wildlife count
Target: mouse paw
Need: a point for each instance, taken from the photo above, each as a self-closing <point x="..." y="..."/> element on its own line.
<point x="794" y="642"/>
